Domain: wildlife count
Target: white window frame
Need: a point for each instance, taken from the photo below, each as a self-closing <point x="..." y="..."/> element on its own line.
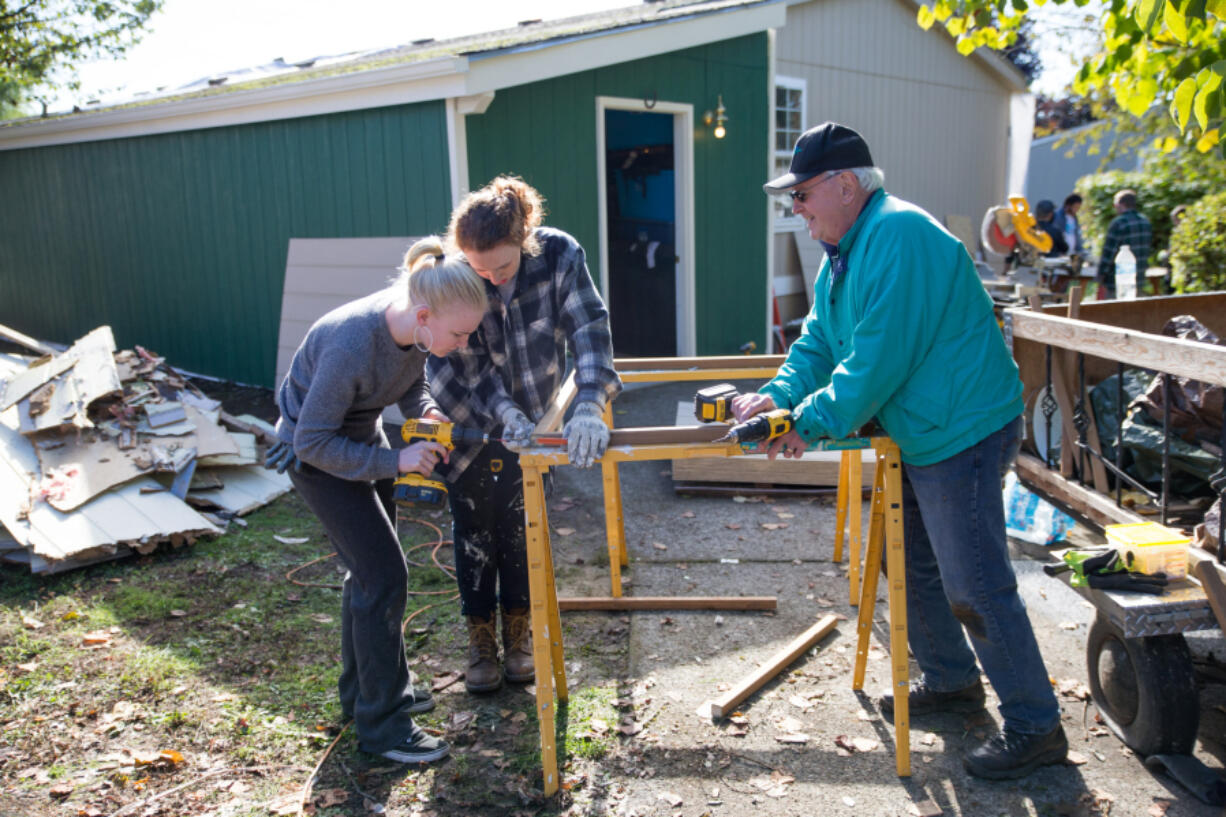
<point x="788" y="223"/>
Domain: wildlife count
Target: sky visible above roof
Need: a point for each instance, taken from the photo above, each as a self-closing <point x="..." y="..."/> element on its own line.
<point x="195" y="45"/>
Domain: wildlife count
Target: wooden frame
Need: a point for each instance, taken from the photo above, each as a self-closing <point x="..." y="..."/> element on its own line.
<point x="645" y="444"/>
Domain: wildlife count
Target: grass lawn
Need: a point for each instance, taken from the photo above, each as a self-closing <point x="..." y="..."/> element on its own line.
<point x="202" y="681"/>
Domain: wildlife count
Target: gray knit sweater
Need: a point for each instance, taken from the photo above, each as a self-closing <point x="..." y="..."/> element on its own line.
<point x="347" y="370"/>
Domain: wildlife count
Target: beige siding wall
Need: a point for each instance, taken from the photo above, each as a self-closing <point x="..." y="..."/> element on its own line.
<point x="936" y="122"/>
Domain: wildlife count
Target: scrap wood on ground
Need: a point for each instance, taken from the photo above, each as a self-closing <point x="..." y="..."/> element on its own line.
<point x="105" y="452"/>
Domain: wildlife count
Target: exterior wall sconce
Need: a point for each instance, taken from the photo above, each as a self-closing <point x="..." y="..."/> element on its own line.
<point x="717" y="119"/>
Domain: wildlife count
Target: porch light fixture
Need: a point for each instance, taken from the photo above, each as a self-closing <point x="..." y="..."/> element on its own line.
<point x="717" y="119"/>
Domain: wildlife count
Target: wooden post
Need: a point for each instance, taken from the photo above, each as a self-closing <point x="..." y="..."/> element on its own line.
<point x="855" y="493"/>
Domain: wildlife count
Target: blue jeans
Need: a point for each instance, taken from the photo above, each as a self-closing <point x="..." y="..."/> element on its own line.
<point x="959" y="577"/>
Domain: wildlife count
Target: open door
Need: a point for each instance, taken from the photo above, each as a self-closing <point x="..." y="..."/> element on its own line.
<point x="645" y="233"/>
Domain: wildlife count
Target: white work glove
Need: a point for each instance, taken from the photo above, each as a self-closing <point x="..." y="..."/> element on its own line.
<point x="516" y="428"/>
<point x="586" y="434"/>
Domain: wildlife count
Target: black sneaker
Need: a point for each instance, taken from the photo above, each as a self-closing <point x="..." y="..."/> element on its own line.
<point x="418" y="747"/>
<point x="423" y="699"/>
<point x="923" y="700"/>
<point x="1007" y="754"/>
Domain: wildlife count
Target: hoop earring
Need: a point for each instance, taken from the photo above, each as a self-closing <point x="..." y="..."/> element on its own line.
<point x="417" y="340"/>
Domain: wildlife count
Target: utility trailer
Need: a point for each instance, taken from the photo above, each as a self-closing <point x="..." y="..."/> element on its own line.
<point x="1138" y="662"/>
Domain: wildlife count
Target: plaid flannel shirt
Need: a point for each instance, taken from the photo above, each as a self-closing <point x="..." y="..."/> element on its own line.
<point x="1131" y="228"/>
<point x="518" y="354"/>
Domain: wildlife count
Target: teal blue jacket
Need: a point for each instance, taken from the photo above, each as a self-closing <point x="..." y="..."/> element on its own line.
<point x="904" y="333"/>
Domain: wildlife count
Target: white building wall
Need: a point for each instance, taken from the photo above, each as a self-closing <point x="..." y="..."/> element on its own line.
<point x="935" y="121"/>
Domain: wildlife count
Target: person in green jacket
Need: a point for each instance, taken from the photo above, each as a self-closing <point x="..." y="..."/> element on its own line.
<point x="902" y="331"/>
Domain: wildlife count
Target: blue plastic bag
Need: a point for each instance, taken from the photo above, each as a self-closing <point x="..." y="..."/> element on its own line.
<point x="1031" y="518"/>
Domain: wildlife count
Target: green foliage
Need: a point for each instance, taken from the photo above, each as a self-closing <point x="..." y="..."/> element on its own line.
<point x="1165" y="53"/>
<point x="1157" y="195"/>
<point x="43" y="40"/>
<point x="1198" y="247"/>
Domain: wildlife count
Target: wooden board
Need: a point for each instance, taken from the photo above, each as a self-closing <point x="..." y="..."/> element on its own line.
<point x="814" y="468"/>
<point x="324" y="273"/>
<point x="667" y="603"/>
<point x="248" y="453"/>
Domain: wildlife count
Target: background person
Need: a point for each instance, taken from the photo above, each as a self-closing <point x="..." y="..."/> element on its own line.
<point x="1045" y="217"/>
<point x="902" y="330"/>
<point x="355" y="361"/>
<point x="1070" y="225"/>
<point x="1131" y="228"/>
<point x="542" y="299"/>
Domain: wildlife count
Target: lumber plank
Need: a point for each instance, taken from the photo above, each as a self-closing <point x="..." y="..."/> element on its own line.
<point x="13" y="336"/>
<point x="551" y="422"/>
<point x="728" y="702"/>
<point x="651" y="364"/>
<point x="1097" y="469"/>
<point x="1184" y="358"/>
<point x="1081" y="500"/>
<point x="667" y="603"/>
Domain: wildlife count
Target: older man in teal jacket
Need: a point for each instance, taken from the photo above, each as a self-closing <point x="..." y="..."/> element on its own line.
<point x="902" y="331"/>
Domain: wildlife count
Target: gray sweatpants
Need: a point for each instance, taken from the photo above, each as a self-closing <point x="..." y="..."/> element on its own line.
<point x="360" y="519"/>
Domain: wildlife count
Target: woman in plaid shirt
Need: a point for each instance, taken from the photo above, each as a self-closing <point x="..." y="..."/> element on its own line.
<point x="542" y="299"/>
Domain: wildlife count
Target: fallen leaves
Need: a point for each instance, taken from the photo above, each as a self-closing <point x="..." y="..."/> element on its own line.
<point x="31" y="623"/>
<point x="564" y="531"/>
<point x="846" y="746"/>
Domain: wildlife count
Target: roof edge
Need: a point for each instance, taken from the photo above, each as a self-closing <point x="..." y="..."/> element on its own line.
<point x="435" y="79"/>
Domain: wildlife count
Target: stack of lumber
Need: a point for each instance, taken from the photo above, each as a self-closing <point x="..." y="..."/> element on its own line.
<point x="106" y="452"/>
<point x="814" y="469"/>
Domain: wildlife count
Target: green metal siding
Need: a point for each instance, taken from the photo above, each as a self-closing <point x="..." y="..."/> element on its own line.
<point x="546" y="133"/>
<point x="178" y="241"/>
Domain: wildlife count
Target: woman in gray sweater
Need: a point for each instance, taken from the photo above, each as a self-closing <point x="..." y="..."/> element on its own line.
<point x="355" y="361"/>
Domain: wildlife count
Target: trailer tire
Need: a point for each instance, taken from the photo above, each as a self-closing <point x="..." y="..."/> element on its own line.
<point x="1144" y="688"/>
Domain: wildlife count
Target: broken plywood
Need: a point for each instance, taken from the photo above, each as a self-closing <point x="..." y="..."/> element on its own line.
<point x="108" y="526"/>
<point x="61" y="402"/>
<point x="243" y="488"/>
<point x="814" y="468"/>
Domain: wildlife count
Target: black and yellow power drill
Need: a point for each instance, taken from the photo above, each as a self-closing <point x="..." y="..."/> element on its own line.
<point x="760" y="428"/>
<point x="413" y="489"/>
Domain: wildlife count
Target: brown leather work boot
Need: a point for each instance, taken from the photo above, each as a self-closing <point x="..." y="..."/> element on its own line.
<point x="517" y="646"/>
<point x="483" y="673"/>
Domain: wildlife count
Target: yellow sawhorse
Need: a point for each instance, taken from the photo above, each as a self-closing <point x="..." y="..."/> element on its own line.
<point x="885" y="540"/>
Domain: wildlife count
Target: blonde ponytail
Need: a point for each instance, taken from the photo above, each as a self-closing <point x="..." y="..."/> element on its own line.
<point x="438" y="281"/>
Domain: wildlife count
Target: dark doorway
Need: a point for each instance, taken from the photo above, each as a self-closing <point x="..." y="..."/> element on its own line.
<point x="641" y="187"/>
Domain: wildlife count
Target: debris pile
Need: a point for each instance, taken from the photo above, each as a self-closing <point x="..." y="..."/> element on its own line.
<point x="106" y="452"/>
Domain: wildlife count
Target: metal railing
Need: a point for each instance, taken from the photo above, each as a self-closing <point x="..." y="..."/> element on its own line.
<point x="1158" y="354"/>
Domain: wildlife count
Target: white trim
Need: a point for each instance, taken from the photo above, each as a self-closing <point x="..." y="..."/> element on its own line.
<point x="791" y="222"/>
<point x="395" y="85"/>
<point x="771" y="79"/>
<point x="441" y="78"/>
<point x="683" y="176"/>
<point x="645" y="40"/>
<point x="458" y="109"/>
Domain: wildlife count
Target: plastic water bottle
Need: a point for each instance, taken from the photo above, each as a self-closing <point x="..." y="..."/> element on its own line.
<point x="1125" y="274"/>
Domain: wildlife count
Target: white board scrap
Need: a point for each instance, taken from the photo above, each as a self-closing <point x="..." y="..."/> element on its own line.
<point x="244" y="488"/>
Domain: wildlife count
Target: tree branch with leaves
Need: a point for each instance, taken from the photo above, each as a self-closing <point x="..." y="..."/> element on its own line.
<point x="1170" y="53"/>
<point x="42" y="42"/>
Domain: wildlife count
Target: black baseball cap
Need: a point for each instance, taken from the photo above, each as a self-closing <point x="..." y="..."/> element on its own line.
<point x="829" y="146"/>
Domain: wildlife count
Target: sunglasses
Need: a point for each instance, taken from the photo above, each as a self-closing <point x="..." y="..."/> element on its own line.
<point x="803" y="195"/>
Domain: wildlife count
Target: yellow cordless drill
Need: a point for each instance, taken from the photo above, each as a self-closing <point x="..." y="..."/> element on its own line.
<point x="414" y="489"/>
<point x="760" y="428"/>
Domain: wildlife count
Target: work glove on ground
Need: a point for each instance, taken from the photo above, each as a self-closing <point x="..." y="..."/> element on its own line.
<point x="516" y="428"/>
<point x="586" y="434"/>
<point x="280" y="456"/>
